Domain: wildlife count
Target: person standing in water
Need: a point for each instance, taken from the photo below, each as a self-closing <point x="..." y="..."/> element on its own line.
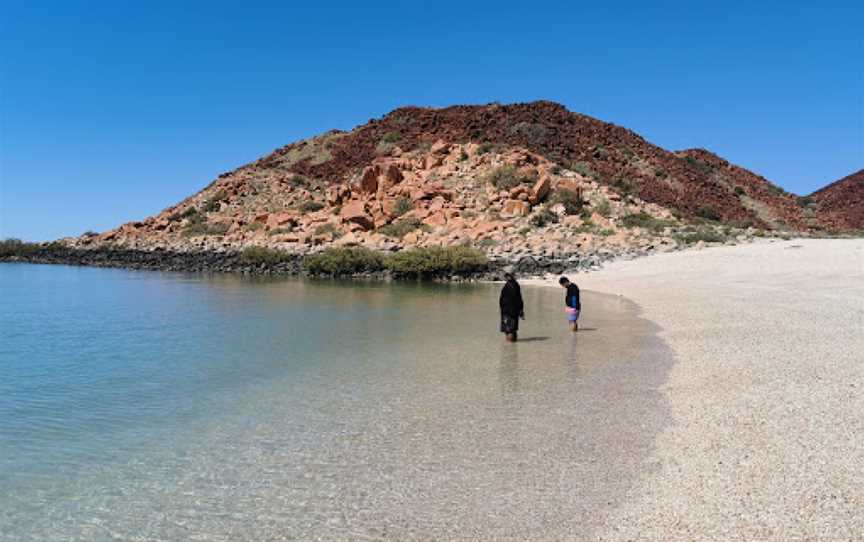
<point x="572" y="304"/>
<point x="512" y="308"/>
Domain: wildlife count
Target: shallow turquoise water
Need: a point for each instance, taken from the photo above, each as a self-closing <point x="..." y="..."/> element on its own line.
<point x="137" y="405"/>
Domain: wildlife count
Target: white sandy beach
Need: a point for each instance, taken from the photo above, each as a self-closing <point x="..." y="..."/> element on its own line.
<point x="767" y="440"/>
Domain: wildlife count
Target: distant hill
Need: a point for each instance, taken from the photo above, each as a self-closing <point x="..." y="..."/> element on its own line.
<point x="518" y="179"/>
<point x="840" y="205"/>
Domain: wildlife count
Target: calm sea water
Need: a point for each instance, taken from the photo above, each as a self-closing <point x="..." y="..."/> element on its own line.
<point x="150" y="406"/>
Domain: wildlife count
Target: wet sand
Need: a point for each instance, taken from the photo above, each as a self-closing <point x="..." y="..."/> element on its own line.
<point x="766" y="437"/>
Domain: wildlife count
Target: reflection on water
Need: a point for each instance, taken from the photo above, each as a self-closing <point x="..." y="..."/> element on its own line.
<point x="172" y="406"/>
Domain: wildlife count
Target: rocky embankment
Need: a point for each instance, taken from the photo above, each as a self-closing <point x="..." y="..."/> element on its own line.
<point x="242" y="262"/>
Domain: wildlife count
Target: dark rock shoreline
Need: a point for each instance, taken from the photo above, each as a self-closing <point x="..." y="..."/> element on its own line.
<point x="233" y="262"/>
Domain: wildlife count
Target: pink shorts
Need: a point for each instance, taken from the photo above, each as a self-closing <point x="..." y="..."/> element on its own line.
<point x="572" y="314"/>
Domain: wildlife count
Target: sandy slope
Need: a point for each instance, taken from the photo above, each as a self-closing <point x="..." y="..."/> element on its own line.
<point x="767" y="392"/>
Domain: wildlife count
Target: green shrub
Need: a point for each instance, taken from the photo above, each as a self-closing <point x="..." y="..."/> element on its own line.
<point x="533" y="132"/>
<point x="400" y="227"/>
<point x="644" y="220"/>
<point x="623" y="186"/>
<point x="328" y="228"/>
<point x="706" y="235"/>
<point x="806" y="201"/>
<point x="344" y="261"/>
<point x="200" y="227"/>
<point x="436" y="261"/>
<point x="703" y="167"/>
<point x="311" y="206"/>
<point x="212" y="203"/>
<point x="463" y="156"/>
<point x="542" y="217"/>
<point x="739" y="191"/>
<point x="281" y="230"/>
<point x="570" y="200"/>
<point x="628" y="152"/>
<point x="660" y="174"/>
<point x="263" y="255"/>
<point x="708" y="213"/>
<point x="388" y="142"/>
<point x="584" y="169"/>
<point x="603" y="208"/>
<point x="189" y="213"/>
<point x="16" y="247"/>
<point x="484" y="148"/>
<point x="254" y="226"/>
<point x="403" y="205"/>
<point x="506" y="177"/>
<point x="391" y="137"/>
<point x="743" y="224"/>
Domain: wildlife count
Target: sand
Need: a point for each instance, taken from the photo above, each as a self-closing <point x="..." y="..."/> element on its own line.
<point x="767" y="438"/>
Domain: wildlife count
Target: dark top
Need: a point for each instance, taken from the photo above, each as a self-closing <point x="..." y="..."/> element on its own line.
<point x="571" y="298"/>
<point x="511" y="299"/>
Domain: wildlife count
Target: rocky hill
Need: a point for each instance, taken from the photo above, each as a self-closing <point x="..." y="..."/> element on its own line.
<point x="840" y="205"/>
<point x="514" y="180"/>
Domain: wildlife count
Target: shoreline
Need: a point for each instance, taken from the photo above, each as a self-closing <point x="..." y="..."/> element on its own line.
<point x="766" y="440"/>
<point x="292" y="265"/>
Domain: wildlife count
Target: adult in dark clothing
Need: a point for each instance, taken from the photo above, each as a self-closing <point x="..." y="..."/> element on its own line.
<point x="572" y="303"/>
<point x="512" y="308"/>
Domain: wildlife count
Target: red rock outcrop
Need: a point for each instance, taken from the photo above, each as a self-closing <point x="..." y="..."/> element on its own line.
<point x="840" y="205"/>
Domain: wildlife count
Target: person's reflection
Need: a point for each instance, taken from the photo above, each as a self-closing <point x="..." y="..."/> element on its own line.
<point x="572" y="359"/>
<point x="509" y="373"/>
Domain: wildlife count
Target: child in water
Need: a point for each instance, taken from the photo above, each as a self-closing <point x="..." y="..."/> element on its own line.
<point x="572" y="304"/>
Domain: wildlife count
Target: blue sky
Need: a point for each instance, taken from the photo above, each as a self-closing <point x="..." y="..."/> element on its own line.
<point x="112" y="111"/>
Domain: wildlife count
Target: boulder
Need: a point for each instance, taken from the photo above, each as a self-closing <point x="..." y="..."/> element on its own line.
<point x="540" y="190"/>
<point x="432" y="161"/>
<point x="436" y="219"/>
<point x="420" y="193"/>
<point x="369" y="180"/>
<point x="278" y="220"/>
<point x="483" y="229"/>
<point x="337" y="194"/>
<point x="393" y="174"/>
<point x="515" y="207"/>
<point x="388" y="207"/>
<point x="355" y="213"/>
<point x="440" y="147"/>
<point x="391" y="177"/>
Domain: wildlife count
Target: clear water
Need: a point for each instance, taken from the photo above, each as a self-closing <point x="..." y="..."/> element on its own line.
<point x="151" y="406"/>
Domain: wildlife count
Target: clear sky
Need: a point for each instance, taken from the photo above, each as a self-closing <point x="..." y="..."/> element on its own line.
<point x="111" y="111"/>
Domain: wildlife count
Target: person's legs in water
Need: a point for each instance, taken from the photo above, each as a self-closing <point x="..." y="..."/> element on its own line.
<point x="573" y="317"/>
<point x="510" y="327"/>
